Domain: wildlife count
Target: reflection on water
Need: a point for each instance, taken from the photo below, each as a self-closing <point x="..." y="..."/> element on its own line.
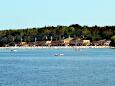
<point x="39" y="67"/>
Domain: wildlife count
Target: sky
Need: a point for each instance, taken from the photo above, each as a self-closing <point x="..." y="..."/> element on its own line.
<point x="17" y="14"/>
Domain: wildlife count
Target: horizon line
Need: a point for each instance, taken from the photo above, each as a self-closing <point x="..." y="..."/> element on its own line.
<point x="42" y="26"/>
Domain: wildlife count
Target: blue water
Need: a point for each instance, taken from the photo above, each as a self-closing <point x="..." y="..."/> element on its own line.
<point x="39" y="67"/>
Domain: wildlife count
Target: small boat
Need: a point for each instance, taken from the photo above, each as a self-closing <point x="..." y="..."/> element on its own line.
<point x="59" y="54"/>
<point x="56" y="55"/>
<point x="13" y="50"/>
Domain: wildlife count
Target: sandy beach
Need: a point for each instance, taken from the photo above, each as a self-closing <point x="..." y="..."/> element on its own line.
<point x="41" y="47"/>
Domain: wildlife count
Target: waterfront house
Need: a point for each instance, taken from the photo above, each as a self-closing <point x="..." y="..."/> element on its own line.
<point x="79" y="43"/>
<point x="31" y="44"/>
<point x="95" y="43"/>
<point x="101" y="42"/>
<point x="67" y="41"/>
<point x="76" y="42"/>
<point x="86" y="42"/>
<point x="57" y="43"/>
<point x="40" y="43"/>
<point x="107" y="43"/>
<point x="48" y="43"/>
<point x="23" y="44"/>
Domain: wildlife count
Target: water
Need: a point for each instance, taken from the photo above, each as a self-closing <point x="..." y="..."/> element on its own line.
<point x="39" y="67"/>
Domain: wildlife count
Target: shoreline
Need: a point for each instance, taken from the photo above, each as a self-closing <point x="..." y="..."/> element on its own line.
<point x="54" y="47"/>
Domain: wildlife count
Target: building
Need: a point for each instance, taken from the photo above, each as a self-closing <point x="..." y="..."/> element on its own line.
<point x="57" y="43"/>
<point x="107" y="43"/>
<point x="23" y="44"/>
<point x="95" y="43"/>
<point x="76" y="42"/>
<point x="86" y="42"/>
<point x="48" y="43"/>
<point x="40" y="43"/>
<point x="101" y="42"/>
<point x="67" y="41"/>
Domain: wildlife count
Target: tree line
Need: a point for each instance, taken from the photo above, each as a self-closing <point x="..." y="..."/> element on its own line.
<point x="93" y="33"/>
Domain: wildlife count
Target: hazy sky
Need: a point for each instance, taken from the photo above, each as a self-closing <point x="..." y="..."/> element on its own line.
<point x="38" y="13"/>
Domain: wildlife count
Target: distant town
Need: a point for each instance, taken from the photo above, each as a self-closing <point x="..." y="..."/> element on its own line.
<point x="65" y="42"/>
<point x="73" y="35"/>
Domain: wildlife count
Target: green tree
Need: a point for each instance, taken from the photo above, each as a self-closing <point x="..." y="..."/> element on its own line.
<point x="112" y="41"/>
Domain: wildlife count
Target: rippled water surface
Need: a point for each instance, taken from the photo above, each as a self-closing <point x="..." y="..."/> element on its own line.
<point x="39" y="67"/>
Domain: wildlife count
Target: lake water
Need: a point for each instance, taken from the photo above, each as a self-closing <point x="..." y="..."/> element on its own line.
<point x="39" y="67"/>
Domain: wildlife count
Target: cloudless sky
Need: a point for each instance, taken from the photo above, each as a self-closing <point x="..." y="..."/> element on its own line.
<point x="16" y="14"/>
